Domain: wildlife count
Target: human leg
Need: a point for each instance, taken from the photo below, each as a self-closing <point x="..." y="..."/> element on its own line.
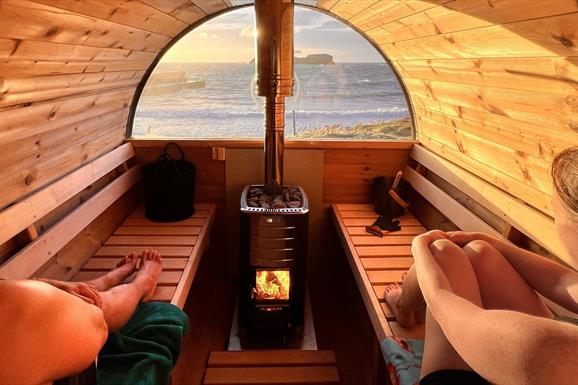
<point x="501" y="287"/>
<point x="438" y="352"/>
<point x="119" y="303"/>
<point x="412" y="298"/>
<point x="46" y="333"/>
<point x="406" y="301"/>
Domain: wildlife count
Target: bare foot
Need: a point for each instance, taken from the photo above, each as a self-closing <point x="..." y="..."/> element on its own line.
<point x="150" y="270"/>
<point x="404" y="317"/>
<point x="124" y="268"/>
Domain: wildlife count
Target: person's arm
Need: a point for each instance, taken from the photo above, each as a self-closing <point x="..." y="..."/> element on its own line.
<point x="554" y="281"/>
<point x="505" y="347"/>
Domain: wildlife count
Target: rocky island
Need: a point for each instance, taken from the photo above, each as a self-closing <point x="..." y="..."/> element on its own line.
<point x="316" y="59"/>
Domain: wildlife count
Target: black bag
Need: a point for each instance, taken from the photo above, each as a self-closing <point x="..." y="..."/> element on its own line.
<point x="169" y="187"/>
<point x="390" y="195"/>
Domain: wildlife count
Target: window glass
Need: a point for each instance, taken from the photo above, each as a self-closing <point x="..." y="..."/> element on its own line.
<point x="203" y="86"/>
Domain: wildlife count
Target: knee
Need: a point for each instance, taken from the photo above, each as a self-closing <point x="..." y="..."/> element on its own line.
<point x="478" y="249"/>
<point x="442" y="248"/>
<point x="88" y="336"/>
<point x="483" y="256"/>
<point x="97" y="323"/>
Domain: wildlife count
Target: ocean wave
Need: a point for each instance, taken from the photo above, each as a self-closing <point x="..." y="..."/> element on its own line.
<point x="228" y="114"/>
<point x="345" y="94"/>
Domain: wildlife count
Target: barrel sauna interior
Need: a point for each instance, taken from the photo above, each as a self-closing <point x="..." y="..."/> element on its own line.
<point x="492" y="87"/>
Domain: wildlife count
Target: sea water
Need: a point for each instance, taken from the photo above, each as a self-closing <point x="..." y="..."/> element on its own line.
<point x="343" y="95"/>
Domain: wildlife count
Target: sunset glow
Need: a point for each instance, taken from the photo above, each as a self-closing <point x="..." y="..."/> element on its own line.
<point x="229" y="38"/>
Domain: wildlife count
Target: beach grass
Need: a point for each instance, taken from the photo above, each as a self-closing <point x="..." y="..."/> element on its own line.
<point x="389" y="130"/>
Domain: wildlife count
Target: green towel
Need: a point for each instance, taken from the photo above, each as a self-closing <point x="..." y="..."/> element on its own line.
<point x="144" y="351"/>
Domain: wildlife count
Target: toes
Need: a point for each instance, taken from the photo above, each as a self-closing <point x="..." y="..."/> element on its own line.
<point x="155" y="256"/>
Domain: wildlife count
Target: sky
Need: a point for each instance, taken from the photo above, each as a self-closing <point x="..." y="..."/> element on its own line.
<point x="230" y="38"/>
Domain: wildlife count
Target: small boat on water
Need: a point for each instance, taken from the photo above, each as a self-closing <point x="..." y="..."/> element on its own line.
<point x="166" y="83"/>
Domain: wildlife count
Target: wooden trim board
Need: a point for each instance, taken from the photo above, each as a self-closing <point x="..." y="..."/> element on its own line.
<point x="290" y="144"/>
<point x="201" y="245"/>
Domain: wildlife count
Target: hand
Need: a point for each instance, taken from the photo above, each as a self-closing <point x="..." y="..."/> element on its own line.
<point x="82" y="290"/>
<point x="462" y="238"/>
<point x="431" y="236"/>
<point x="424" y="240"/>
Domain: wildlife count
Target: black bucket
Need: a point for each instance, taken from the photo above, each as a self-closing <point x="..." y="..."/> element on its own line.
<point x="389" y="197"/>
<point x="169" y="186"/>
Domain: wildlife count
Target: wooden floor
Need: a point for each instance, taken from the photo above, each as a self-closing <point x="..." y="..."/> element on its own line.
<point x="379" y="261"/>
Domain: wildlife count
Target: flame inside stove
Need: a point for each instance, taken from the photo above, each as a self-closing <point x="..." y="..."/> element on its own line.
<point x="272" y="285"/>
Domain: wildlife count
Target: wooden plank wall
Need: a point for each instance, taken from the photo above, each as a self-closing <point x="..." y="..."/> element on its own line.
<point x="494" y="84"/>
<point x="349" y="172"/>
<point x="68" y="71"/>
<point x="348" y="168"/>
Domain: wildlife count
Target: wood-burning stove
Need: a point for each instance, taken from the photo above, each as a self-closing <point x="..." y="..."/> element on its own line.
<point x="273" y="230"/>
<point x="273" y="261"/>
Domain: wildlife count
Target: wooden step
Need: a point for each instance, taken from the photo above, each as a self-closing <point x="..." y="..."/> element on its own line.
<point x="275" y="367"/>
<point x="272" y="358"/>
<point x="303" y="375"/>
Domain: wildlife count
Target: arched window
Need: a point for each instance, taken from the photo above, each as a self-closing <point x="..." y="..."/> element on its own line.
<point x="203" y="86"/>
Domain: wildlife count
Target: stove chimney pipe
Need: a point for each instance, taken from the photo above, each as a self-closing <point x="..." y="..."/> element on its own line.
<point x="274" y="67"/>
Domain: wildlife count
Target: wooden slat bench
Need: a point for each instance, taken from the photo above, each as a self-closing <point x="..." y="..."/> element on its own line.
<point x="181" y="243"/>
<point x="376" y="262"/>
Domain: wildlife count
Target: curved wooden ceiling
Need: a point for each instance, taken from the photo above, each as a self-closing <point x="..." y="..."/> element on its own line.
<point x="493" y="83"/>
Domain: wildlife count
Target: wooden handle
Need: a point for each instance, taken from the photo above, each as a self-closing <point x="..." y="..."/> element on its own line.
<point x="398" y="199"/>
<point x="397" y="179"/>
